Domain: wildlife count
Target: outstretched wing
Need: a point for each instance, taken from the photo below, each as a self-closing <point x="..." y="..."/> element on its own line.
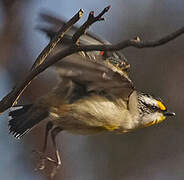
<point x="95" y="72"/>
<point x="99" y="77"/>
<point x="52" y="25"/>
<point x="55" y="23"/>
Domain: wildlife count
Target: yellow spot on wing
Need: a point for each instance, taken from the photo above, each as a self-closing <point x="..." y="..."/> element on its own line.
<point x="161" y="106"/>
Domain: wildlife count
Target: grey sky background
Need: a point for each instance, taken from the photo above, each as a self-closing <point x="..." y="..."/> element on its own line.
<point x="155" y="153"/>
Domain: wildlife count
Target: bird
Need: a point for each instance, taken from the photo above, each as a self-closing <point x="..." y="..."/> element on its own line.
<point x="94" y="95"/>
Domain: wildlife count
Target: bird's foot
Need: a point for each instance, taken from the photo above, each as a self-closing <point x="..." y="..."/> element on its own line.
<point x="41" y="165"/>
<point x="55" y="170"/>
<point x="42" y="158"/>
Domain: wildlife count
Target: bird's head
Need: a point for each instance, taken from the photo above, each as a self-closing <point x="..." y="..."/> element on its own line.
<point x="152" y="111"/>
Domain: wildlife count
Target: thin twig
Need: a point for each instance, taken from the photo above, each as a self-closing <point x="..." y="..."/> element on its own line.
<point x="8" y="100"/>
<point x="13" y="96"/>
<point x="91" y="20"/>
<point x="55" y="40"/>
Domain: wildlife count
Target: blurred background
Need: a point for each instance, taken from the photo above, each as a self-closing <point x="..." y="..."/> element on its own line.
<point x="153" y="153"/>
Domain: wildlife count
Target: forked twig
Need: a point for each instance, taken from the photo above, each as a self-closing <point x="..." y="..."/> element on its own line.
<point x="91" y="20"/>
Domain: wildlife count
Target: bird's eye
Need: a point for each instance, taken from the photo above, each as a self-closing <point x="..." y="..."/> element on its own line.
<point x="154" y="107"/>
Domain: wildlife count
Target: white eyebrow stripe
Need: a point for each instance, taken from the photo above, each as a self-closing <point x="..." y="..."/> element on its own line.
<point x="149" y="100"/>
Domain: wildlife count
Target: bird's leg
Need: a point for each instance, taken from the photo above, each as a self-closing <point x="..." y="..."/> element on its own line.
<point x="48" y="128"/>
<point x="54" y="133"/>
<point x="42" y="156"/>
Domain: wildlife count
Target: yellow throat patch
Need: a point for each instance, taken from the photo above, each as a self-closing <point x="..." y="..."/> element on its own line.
<point x="156" y="121"/>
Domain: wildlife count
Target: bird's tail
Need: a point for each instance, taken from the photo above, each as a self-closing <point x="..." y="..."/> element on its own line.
<point x="24" y="119"/>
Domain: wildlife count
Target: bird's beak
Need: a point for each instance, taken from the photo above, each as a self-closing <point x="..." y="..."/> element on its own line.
<point x="167" y="113"/>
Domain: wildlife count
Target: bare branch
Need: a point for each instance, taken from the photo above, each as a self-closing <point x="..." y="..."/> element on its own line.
<point x="91" y="20"/>
<point x="58" y="37"/>
<point x="9" y="100"/>
<point x="13" y="96"/>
